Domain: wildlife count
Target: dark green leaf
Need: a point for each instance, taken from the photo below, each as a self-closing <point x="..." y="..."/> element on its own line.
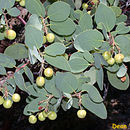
<point x="2" y="70"/>
<point x="116" y="82"/>
<point x="7" y="61"/>
<point x="35" y="7"/>
<point x="58" y="61"/>
<point x="102" y="14"/>
<point x="99" y="78"/>
<point x="14" y="12"/>
<point x="55" y="49"/>
<point x="59" y="11"/>
<point x="66" y="27"/>
<point x="19" y="53"/>
<point x="78" y="65"/>
<point x="88" y="40"/>
<point x="98" y="109"/>
<point x="64" y="82"/>
<point x="85" y="22"/>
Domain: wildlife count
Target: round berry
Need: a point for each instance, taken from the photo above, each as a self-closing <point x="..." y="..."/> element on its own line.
<point x="16" y="97"/>
<point x="81" y="113"/>
<point x="50" y="37"/>
<point x="7" y="104"/>
<point x="84" y="5"/>
<point x="40" y="81"/>
<point x="111" y="61"/>
<point x="48" y="72"/>
<point x="45" y="114"/>
<point x="106" y="55"/>
<point x="119" y="58"/>
<point x="10" y="34"/>
<point x="41" y="117"/>
<point x="22" y="3"/>
<point x="52" y="115"/>
<point x="32" y="119"/>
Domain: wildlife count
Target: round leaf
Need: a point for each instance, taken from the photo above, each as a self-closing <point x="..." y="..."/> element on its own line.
<point x="78" y="65"/>
<point x="88" y="40"/>
<point x="116" y="82"/>
<point x="59" y="11"/>
<point x="66" y="82"/>
<point x="17" y="51"/>
<point x="66" y="27"/>
<point x="55" y="49"/>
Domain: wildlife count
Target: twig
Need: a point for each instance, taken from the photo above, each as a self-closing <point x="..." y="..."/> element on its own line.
<point x="21" y="19"/>
<point x="22" y="66"/>
<point x="45" y="29"/>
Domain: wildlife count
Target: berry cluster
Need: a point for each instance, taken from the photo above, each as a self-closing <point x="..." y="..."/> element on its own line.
<point x="42" y="116"/>
<point x="7" y="103"/>
<point x="118" y="58"/>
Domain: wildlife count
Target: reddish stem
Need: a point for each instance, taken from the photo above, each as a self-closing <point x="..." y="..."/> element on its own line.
<point x="21" y="19"/>
<point x="22" y="67"/>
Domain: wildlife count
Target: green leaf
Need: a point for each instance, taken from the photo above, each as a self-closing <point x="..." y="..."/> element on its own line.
<point x="98" y="109"/>
<point x="6" y="4"/>
<point x="88" y="56"/>
<point x="34" y="54"/>
<point x="35" y="38"/>
<point x="70" y="2"/>
<point x="122" y="71"/>
<point x="7" y="61"/>
<point x="99" y="78"/>
<point x="66" y="27"/>
<point x="19" y="80"/>
<point x="19" y="53"/>
<point x="35" y="7"/>
<point x="29" y="74"/>
<point x="64" y="82"/>
<point x="104" y="30"/>
<point x="113" y="68"/>
<point x="85" y="22"/>
<point x="78" y="65"/>
<point x="116" y="10"/>
<point x="33" y="32"/>
<point x="58" y="61"/>
<point x="76" y="55"/>
<point x="33" y="105"/>
<point x="81" y="80"/>
<point x="126" y="59"/>
<point x="88" y="40"/>
<point x="75" y="103"/>
<point x="99" y="60"/>
<point x="2" y="36"/>
<point x="121" y="18"/>
<point x="92" y="93"/>
<point x="111" y="2"/>
<point x="41" y="92"/>
<point x="51" y="87"/>
<point x="124" y="44"/>
<point x="14" y="12"/>
<point x="122" y="29"/>
<point x="102" y="14"/>
<point x="59" y="11"/>
<point x="116" y="82"/>
<point x="2" y="70"/>
<point x="55" y="49"/>
<point x="92" y="74"/>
